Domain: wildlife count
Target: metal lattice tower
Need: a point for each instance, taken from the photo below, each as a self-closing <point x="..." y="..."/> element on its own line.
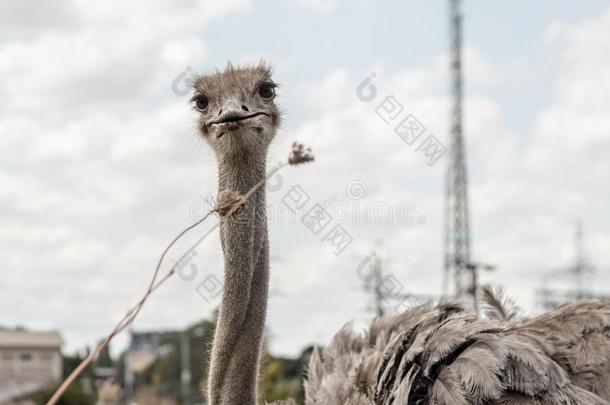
<point x="458" y="277"/>
<point x="388" y="294"/>
<point x="374" y="285"/>
<point x="565" y="285"/>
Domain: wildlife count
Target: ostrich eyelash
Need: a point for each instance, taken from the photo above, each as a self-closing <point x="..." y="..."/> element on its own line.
<point x="266" y="82"/>
<point x="195" y="97"/>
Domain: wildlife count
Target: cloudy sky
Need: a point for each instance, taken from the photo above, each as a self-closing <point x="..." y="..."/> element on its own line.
<point x="100" y="165"/>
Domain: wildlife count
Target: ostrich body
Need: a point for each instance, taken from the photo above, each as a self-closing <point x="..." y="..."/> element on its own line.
<point x="427" y="355"/>
<point x="445" y="355"/>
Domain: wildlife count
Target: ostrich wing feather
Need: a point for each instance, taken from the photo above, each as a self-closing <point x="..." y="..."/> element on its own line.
<point x="444" y="355"/>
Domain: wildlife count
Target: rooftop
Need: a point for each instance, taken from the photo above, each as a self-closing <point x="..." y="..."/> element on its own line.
<point x="28" y="339"/>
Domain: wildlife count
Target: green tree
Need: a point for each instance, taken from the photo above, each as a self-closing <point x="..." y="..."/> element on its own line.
<point x="283" y="377"/>
<point x="74" y="395"/>
<point x="104" y="359"/>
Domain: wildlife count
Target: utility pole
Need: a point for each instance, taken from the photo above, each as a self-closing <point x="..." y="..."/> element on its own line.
<point x="458" y="278"/>
<point x="580" y="265"/>
<point x="473" y="269"/>
<point x="185" y="366"/>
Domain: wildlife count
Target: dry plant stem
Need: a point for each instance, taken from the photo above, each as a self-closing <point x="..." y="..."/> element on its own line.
<point x="258" y="185"/>
<point x="154" y="284"/>
<point x="132" y="313"/>
<point x="181" y="234"/>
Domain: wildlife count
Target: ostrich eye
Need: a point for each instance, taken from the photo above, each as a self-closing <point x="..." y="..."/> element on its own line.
<point x="201" y="102"/>
<point x="267" y="91"/>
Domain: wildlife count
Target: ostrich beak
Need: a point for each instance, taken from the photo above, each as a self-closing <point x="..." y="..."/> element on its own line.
<point x="234" y="116"/>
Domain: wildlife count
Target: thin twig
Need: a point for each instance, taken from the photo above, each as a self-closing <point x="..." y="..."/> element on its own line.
<point x="181" y="234"/>
<point x="154" y="284"/>
<point x="133" y="312"/>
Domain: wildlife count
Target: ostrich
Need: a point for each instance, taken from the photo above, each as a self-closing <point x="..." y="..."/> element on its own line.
<point x="427" y="355"/>
<point x="238" y="118"/>
<point x="446" y="355"/>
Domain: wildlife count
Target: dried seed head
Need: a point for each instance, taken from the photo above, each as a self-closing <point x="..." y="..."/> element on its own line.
<point x="227" y="199"/>
<point x="299" y="154"/>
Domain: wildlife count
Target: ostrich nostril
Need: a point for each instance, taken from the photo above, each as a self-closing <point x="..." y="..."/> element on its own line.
<point x="243" y="107"/>
<point x="220" y="112"/>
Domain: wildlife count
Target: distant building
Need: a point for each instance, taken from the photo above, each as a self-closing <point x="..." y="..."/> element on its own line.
<point x="143" y="350"/>
<point x="28" y="361"/>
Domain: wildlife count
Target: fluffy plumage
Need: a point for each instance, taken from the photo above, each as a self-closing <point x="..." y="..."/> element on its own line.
<point x="446" y="356"/>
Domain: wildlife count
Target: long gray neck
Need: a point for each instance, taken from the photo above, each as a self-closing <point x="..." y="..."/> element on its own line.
<point x="237" y="342"/>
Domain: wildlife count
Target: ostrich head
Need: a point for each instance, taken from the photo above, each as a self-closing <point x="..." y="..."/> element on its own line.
<point x="237" y="113"/>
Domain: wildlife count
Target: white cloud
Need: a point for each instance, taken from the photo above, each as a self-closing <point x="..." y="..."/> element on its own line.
<point x="573" y="131"/>
<point x="121" y="51"/>
<point x="31" y="15"/>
